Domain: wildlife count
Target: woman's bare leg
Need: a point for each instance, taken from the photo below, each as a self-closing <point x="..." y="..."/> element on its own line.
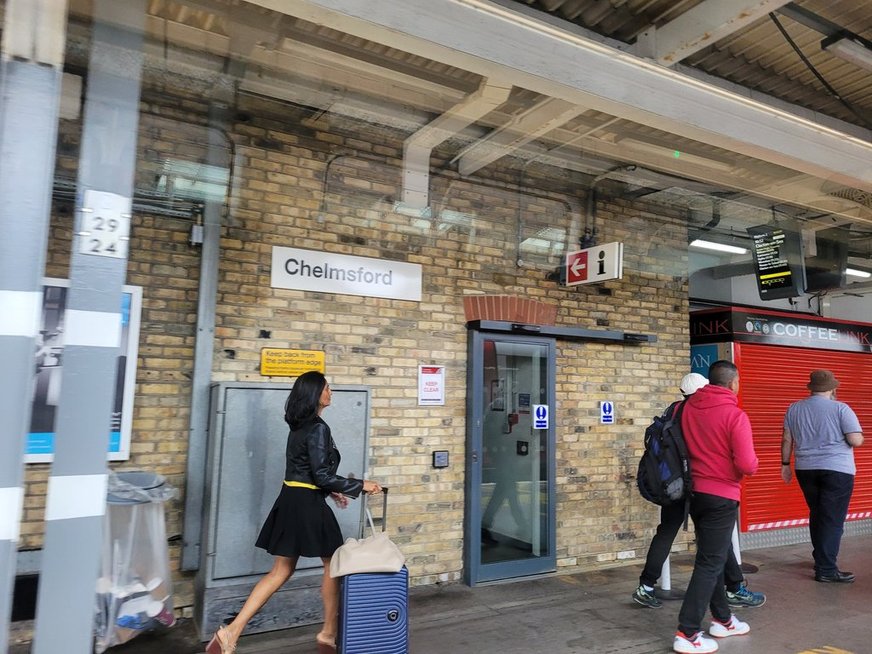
<point x="330" y="598"/>
<point x="283" y="568"/>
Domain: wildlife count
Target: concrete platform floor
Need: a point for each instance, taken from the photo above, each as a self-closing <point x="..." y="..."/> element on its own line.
<point x="593" y="613"/>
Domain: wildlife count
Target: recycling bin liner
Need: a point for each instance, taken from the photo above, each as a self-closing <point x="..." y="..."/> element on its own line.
<point x="134" y="591"/>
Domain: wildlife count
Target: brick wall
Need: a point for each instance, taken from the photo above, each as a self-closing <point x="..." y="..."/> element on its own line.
<point x="318" y="182"/>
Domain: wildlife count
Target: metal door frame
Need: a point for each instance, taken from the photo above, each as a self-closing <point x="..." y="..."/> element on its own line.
<point x="474" y="571"/>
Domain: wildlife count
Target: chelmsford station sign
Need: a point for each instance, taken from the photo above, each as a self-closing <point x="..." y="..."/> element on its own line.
<point x="326" y="272"/>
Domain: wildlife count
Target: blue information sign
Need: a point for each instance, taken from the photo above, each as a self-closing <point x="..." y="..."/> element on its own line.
<point x="540" y="416"/>
<point x="607" y="413"/>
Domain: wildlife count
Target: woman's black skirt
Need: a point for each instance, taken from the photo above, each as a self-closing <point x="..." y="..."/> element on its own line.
<point x="300" y="524"/>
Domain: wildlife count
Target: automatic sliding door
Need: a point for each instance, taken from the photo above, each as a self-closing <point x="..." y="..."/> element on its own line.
<point x="510" y="499"/>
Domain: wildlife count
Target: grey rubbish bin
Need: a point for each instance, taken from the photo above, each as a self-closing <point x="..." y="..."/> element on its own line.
<point x="134" y="590"/>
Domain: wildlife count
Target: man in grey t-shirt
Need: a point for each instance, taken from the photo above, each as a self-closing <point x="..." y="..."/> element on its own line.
<point x="822" y="433"/>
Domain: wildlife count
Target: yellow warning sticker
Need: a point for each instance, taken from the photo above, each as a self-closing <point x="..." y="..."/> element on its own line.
<point x="279" y="362"/>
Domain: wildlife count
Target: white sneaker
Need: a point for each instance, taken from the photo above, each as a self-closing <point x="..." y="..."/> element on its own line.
<point x="734" y="627"/>
<point x="698" y="644"/>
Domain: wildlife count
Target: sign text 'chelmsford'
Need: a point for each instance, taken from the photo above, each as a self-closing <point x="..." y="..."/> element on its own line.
<point x="326" y="271"/>
<point x="329" y="272"/>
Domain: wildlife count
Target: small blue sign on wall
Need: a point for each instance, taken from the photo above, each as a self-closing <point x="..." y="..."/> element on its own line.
<point x="607" y="413"/>
<point x="540" y="416"/>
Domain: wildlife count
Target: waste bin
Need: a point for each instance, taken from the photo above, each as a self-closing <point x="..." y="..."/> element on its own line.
<point x="134" y="590"/>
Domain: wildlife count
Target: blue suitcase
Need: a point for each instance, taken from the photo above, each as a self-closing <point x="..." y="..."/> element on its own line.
<point x="373" y="611"/>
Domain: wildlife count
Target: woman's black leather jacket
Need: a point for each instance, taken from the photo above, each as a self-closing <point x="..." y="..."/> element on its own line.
<point x="312" y="458"/>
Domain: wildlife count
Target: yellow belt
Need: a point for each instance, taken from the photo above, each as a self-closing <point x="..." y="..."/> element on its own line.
<point x="300" y="484"/>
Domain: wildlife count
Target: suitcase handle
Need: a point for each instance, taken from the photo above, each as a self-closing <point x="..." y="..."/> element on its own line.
<point x="369" y="513"/>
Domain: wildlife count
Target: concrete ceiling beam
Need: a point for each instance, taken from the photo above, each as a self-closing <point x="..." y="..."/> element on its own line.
<point x="417" y="148"/>
<point x="699" y="27"/>
<point x="540" y="119"/>
<point x="560" y="63"/>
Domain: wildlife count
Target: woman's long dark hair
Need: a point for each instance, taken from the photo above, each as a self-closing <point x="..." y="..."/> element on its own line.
<point x="302" y="404"/>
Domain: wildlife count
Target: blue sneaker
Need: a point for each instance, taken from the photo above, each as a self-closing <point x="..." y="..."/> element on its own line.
<point x="745" y="597"/>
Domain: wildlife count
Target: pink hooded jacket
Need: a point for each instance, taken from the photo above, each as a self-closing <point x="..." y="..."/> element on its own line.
<point x="719" y="442"/>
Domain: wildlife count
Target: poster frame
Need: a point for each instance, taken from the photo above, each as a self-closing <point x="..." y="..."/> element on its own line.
<point x="43" y="453"/>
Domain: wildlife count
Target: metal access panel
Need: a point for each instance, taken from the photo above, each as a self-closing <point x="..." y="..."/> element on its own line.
<point x="245" y="471"/>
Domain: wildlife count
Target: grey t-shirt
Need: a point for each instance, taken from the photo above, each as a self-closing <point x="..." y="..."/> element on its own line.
<point x="818" y="426"/>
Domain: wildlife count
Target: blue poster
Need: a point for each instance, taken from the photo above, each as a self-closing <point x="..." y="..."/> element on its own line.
<point x="49" y="359"/>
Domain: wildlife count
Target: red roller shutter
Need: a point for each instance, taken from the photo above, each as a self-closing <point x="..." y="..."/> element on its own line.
<point x="771" y="378"/>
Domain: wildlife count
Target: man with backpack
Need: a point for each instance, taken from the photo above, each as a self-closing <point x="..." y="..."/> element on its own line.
<point x="720" y="448"/>
<point x="671" y="519"/>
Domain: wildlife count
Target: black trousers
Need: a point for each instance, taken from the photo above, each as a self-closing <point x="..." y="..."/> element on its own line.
<point x="713" y="518"/>
<point x="827" y="494"/>
<point x="671" y="520"/>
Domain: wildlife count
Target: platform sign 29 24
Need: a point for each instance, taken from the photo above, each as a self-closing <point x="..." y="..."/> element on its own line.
<point x="104" y="228"/>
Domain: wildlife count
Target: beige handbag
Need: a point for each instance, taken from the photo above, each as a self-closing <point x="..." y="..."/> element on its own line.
<point x="376" y="553"/>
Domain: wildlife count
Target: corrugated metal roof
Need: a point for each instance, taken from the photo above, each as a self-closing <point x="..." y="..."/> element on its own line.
<point x="758" y="56"/>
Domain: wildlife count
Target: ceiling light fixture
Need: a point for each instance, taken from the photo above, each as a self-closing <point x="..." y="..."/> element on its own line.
<point x="853" y="272"/>
<point x="850" y="49"/>
<point x="717" y="247"/>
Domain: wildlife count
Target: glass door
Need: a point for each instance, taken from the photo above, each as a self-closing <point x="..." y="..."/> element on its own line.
<point x="510" y="520"/>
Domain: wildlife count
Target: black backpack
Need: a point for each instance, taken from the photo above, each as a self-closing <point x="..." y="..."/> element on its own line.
<point x="664" y="469"/>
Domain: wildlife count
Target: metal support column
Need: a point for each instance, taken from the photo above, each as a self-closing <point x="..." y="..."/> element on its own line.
<point x="30" y="86"/>
<point x="76" y="501"/>
<point x="195" y="478"/>
<point x="221" y="110"/>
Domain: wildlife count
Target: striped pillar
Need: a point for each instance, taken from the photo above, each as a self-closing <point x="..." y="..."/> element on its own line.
<point x="30" y="89"/>
<point x="76" y="501"/>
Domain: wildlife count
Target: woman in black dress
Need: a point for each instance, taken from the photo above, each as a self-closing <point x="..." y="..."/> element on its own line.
<point x="300" y="522"/>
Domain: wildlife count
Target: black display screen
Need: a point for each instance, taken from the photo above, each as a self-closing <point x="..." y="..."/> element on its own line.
<point x="778" y="265"/>
<point x="826" y="269"/>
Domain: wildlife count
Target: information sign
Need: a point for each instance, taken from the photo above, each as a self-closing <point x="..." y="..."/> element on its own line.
<point x="778" y="265"/>
<point x="607" y="413"/>
<point x="540" y="416"/>
<point x="596" y="264"/>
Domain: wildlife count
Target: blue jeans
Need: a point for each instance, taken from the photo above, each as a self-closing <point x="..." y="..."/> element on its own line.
<point x="713" y="518"/>
<point x="827" y="494"/>
<point x="671" y="520"/>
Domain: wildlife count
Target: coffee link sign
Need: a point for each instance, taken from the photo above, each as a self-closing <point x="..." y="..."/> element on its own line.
<point x="776" y="328"/>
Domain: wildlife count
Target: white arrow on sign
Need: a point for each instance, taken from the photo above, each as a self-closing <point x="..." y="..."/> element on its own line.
<point x="596" y="264"/>
<point x="576" y="267"/>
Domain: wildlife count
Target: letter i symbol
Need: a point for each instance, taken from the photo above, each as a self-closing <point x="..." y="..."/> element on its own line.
<point x="601" y="269"/>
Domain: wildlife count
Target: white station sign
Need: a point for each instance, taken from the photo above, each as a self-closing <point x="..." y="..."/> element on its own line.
<point x="326" y="272"/>
<point x="596" y="264"/>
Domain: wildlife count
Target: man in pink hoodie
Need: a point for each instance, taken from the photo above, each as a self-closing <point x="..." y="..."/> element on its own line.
<point x="721" y="452"/>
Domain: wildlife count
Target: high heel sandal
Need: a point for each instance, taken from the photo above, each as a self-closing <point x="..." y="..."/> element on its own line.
<point x="218" y="645"/>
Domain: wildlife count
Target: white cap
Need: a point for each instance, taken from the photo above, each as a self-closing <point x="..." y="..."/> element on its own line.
<point x="692" y="382"/>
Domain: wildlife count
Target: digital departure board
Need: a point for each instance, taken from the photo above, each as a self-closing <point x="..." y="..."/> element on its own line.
<point x="778" y="262"/>
<point x="825" y="266"/>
